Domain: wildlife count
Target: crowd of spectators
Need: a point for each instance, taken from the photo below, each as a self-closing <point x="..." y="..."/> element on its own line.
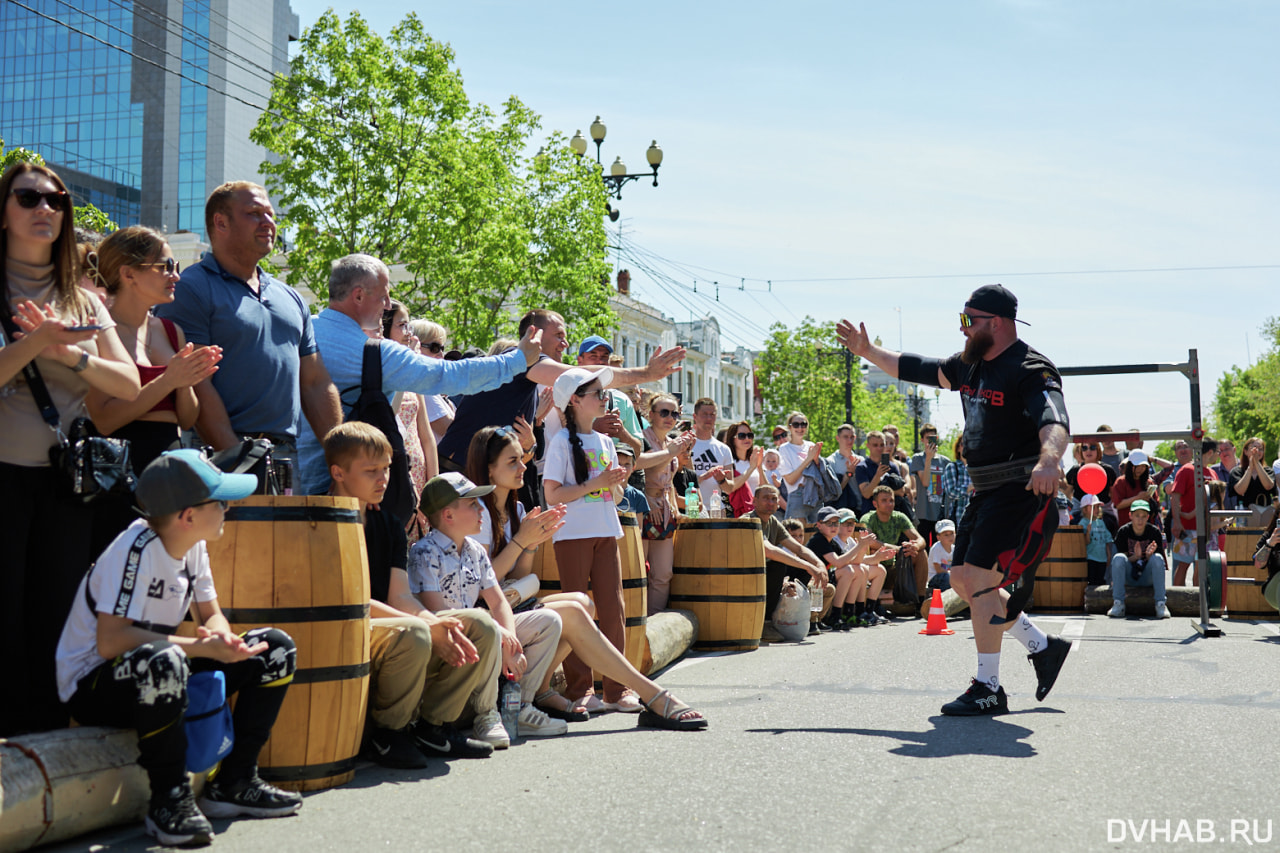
<point x="482" y="459"/>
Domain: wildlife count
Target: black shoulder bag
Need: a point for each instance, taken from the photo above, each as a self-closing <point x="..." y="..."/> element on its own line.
<point x="374" y="408"/>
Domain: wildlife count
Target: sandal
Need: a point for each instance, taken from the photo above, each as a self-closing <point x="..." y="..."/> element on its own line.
<point x="628" y="703"/>
<point x="570" y="712"/>
<point x="671" y="716"/>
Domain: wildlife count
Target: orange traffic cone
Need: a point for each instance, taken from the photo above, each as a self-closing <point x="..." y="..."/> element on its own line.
<point x="937" y="617"/>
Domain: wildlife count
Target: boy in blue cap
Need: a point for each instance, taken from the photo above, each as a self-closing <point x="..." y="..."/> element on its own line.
<point x="121" y="663"/>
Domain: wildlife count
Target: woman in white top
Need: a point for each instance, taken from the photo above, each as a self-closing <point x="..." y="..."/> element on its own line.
<point x="747" y="459"/>
<point x="511" y="536"/>
<point x="795" y="456"/>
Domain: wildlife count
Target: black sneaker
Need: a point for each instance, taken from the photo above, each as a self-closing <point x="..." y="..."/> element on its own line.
<point x="174" y="820"/>
<point x="393" y="748"/>
<point x="446" y="742"/>
<point x="249" y="797"/>
<point x="885" y="615"/>
<point x="1048" y="663"/>
<point x="978" y="701"/>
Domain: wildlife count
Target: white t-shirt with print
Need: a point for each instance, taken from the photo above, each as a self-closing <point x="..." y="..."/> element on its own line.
<point x="595" y="513"/>
<point x="707" y="454"/>
<point x="154" y="591"/>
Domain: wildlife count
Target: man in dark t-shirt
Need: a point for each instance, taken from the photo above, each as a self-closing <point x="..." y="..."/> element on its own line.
<point x="1016" y="428"/>
<point x="1140" y="560"/>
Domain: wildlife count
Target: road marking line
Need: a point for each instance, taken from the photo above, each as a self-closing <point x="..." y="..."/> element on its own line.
<point x="1074" y="631"/>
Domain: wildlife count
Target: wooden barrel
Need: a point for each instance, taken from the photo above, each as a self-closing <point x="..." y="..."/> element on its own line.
<point x="1063" y="575"/>
<point x="1244" y="599"/>
<point x="299" y="564"/>
<point x="635" y="584"/>
<point x="718" y="573"/>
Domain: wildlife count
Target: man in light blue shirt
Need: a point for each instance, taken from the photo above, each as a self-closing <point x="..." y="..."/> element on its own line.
<point x="359" y="291"/>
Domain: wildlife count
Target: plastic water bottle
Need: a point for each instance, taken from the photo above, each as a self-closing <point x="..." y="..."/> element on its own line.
<point x="715" y="506"/>
<point x="509" y="705"/>
<point x="815" y="597"/>
<point x="692" y="503"/>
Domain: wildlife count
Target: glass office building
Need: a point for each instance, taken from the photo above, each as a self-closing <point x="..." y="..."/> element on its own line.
<point x="142" y="106"/>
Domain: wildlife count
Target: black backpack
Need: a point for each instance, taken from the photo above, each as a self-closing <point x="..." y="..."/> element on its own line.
<point x="373" y="408"/>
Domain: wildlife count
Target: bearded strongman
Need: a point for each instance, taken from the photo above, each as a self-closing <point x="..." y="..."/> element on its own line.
<point x="1015" y="433"/>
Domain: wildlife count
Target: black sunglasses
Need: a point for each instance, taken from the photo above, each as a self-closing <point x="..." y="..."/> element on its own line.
<point x="799" y="424"/>
<point x="169" y="265"/>
<point x="30" y="199"/>
<point x="434" y="346"/>
<point x="746" y="435"/>
<point x="665" y="413"/>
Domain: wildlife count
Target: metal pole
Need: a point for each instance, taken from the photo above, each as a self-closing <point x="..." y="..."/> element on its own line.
<point x="848" y="387"/>
<point x="1204" y="626"/>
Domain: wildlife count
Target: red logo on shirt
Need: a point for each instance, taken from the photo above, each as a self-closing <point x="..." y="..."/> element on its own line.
<point x="986" y="395"/>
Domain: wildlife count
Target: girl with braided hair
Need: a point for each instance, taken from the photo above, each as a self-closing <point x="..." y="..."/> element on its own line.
<point x="581" y="472"/>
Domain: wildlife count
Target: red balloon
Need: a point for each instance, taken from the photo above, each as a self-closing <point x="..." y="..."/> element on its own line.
<point x="1091" y="478"/>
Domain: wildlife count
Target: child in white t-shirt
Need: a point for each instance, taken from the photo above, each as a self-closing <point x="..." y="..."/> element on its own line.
<point x="940" y="555"/>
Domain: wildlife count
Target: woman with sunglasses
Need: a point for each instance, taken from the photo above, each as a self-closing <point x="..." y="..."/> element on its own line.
<point x="510" y="535"/>
<point x="747" y="459"/>
<point x="1091" y="453"/>
<point x="137" y="270"/>
<point x="411" y="413"/>
<point x="433" y="340"/>
<point x="67" y="335"/>
<point x="795" y="456"/>
<point x="659" y="530"/>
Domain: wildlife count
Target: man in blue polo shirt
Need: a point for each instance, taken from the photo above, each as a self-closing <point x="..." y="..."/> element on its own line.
<point x="271" y="372"/>
<point x="359" y="291"/>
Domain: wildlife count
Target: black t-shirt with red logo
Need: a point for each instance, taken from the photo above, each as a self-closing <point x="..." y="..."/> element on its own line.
<point x="1006" y="401"/>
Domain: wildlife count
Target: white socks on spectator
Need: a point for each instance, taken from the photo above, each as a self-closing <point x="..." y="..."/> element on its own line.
<point x="1031" y="637"/>
<point x="989" y="670"/>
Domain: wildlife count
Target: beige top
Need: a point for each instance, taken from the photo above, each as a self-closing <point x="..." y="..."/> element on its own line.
<point x="26" y="437"/>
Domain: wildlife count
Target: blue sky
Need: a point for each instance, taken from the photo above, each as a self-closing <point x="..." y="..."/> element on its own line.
<point x="870" y="157"/>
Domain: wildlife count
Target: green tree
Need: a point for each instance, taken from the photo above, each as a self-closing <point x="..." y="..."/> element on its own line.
<point x="1247" y="402"/>
<point x="802" y="369"/>
<point x="380" y="151"/>
<point x="86" y="216"/>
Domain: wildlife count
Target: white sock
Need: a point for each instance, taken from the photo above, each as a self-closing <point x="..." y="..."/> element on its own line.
<point x="989" y="670"/>
<point x="1026" y="632"/>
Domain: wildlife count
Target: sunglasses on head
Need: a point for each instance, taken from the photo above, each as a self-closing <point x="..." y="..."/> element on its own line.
<point x="169" y="265"/>
<point x="966" y="319"/>
<point x="747" y="435"/>
<point x="665" y="413"/>
<point x="30" y="199"/>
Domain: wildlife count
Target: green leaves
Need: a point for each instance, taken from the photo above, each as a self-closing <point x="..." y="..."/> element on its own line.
<point x="379" y="150"/>
<point x="803" y="370"/>
<point x="86" y="216"/>
<point x="1248" y="400"/>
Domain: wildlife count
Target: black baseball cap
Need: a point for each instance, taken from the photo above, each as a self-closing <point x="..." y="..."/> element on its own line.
<point x="997" y="300"/>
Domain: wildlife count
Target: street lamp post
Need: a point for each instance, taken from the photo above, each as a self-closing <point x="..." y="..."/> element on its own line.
<point x="617" y="176"/>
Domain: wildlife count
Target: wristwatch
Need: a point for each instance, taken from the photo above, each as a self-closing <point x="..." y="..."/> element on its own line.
<point x="80" y="365"/>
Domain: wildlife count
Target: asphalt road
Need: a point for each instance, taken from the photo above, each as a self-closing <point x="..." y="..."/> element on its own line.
<point x="838" y="744"/>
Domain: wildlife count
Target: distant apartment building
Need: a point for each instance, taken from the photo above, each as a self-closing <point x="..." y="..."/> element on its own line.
<point x="142" y="106"/>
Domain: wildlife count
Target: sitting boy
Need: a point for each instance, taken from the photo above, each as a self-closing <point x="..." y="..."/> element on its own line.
<point x="121" y="663"/>
<point x="633" y="500"/>
<point x="844" y="571"/>
<point x="1139" y="561"/>
<point x="448" y="569"/>
<point x="849" y="531"/>
<point x="940" y="555"/>
<point x="424" y="666"/>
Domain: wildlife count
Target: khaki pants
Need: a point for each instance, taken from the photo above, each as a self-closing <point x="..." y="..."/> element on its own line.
<point x="408" y="680"/>
<point x="539" y="633"/>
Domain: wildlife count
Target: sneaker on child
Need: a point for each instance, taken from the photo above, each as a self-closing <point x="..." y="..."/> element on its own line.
<point x="447" y="742"/>
<point x="250" y="797"/>
<point x="393" y="748"/>
<point x="535" y="723"/>
<point x="488" y="728"/>
<point x="174" y="820"/>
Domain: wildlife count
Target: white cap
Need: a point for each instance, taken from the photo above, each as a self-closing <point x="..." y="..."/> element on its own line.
<point x="1136" y="458"/>
<point x="573" y="379"/>
<point x="1089" y="500"/>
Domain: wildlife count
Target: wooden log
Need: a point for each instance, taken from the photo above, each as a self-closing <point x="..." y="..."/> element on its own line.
<point x="1140" y="600"/>
<point x="670" y="633"/>
<point x="60" y="784"/>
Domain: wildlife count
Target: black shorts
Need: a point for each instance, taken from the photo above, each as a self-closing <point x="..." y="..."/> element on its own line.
<point x="994" y="522"/>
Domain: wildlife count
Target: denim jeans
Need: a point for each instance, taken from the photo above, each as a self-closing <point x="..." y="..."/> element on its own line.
<point x="1152" y="575"/>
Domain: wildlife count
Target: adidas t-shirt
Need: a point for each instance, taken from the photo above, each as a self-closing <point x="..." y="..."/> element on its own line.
<point x="707" y="454"/>
<point x="154" y="590"/>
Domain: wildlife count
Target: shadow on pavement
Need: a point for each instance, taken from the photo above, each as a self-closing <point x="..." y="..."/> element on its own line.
<point x="950" y="736"/>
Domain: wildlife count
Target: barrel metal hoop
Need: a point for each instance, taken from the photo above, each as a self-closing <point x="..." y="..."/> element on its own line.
<point x="717" y="599"/>
<point x="717" y="570"/>
<point x="293" y="513"/>
<point x="318" y="674"/>
<point x="721" y="524"/>
<point x="273" y="615"/>
<point x="307" y="772"/>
